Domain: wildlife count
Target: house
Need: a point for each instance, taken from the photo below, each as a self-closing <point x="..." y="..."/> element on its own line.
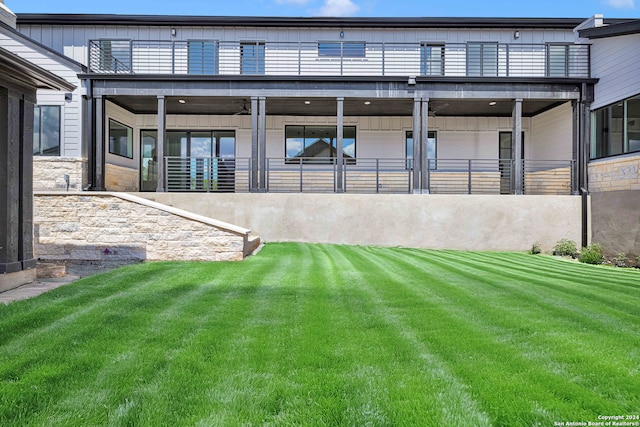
<point x="329" y="113"/>
<point x="19" y="80"/>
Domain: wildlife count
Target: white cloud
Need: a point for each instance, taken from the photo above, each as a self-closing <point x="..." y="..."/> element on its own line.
<point x="621" y="4"/>
<point x="295" y="2"/>
<point x="341" y="8"/>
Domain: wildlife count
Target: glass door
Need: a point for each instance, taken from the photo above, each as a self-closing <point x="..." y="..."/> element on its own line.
<point x="148" y="161"/>
<point x="505" y="156"/>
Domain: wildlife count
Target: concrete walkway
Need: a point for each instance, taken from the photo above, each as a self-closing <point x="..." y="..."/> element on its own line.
<point x="34" y="289"/>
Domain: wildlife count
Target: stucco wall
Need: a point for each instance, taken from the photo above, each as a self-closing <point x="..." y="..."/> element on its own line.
<point x="49" y="172"/>
<point x="116" y="227"/>
<point x="429" y="221"/>
<point x="616" y="174"/>
<point x="616" y="221"/>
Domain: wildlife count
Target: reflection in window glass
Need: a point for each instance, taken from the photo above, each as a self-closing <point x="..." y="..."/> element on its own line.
<point x="46" y="130"/>
<point x="431" y="149"/>
<point x="319" y="142"/>
<point x="616" y="129"/>
<point x="120" y="139"/>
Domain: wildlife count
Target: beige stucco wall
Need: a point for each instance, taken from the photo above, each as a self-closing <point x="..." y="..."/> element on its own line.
<point x="49" y="172"/>
<point x="471" y="222"/>
<point x="115" y="227"/>
<point x="620" y="173"/>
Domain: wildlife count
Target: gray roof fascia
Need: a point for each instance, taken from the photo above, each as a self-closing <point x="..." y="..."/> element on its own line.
<point x="45" y="50"/>
<point x="254" y="21"/>
<point x="31" y="74"/>
<point x="613" y="30"/>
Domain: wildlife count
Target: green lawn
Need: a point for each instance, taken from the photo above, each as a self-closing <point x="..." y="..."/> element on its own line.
<point x="328" y="335"/>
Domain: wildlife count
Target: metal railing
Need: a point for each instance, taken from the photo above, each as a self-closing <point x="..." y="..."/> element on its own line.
<point x="373" y="175"/>
<point x="213" y="57"/>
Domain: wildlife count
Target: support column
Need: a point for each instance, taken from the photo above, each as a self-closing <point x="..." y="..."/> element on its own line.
<point x="424" y="141"/>
<point x="516" y="138"/>
<point x="262" y="142"/>
<point x="160" y="142"/>
<point x="575" y="147"/>
<point x="25" y="247"/>
<point x="339" y="153"/>
<point x="254" y="144"/>
<point x="416" y="146"/>
<point x="99" y="120"/>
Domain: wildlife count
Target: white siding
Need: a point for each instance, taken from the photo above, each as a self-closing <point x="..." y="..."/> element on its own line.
<point x="552" y="134"/>
<point x="71" y="117"/>
<point x="616" y="62"/>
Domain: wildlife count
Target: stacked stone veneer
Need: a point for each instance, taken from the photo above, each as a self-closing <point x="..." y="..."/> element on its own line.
<point x="114" y="227"/>
<point x="49" y="172"/>
<point x="120" y="178"/>
<point x="616" y="174"/>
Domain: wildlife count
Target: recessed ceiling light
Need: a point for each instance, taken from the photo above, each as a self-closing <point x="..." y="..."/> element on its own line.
<point x="307" y="102"/>
<point x="492" y="103"/>
<point x="367" y="102"/>
<point x="182" y="101"/>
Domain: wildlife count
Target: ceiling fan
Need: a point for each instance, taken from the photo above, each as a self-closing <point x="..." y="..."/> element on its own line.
<point x="433" y="109"/>
<point x="244" y="110"/>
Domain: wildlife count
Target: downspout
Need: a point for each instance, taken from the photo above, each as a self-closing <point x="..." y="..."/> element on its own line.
<point x="585" y="216"/>
<point x="87" y="118"/>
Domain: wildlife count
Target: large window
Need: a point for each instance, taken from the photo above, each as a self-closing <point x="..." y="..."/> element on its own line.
<point x="482" y="59"/>
<point x="46" y="130"/>
<point x="115" y="55"/>
<point x="342" y="49"/>
<point x="317" y="144"/>
<point x="252" y="58"/>
<point x="431" y="149"/>
<point x="432" y="59"/>
<point x="120" y="139"/>
<point x="203" y="56"/>
<point x="616" y="129"/>
<point x="559" y="60"/>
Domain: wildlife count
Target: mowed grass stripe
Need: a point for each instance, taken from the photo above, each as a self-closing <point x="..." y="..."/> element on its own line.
<point x="327" y="335"/>
<point x="456" y="314"/>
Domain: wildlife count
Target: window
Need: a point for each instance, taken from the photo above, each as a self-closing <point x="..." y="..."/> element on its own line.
<point x="120" y="139"/>
<point x="252" y="58"/>
<point x="203" y="57"/>
<point x="46" y="130"/>
<point x="432" y="59"/>
<point x="431" y="149"/>
<point x="317" y="144"/>
<point x="482" y="59"/>
<point x="616" y="129"/>
<point x="558" y="60"/>
<point x="115" y="55"/>
<point x="342" y="49"/>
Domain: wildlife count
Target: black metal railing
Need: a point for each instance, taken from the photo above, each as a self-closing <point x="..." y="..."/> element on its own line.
<point x="213" y="57"/>
<point x="370" y="175"/>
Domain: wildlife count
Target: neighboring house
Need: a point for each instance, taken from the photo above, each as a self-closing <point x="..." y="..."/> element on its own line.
<point x="345" y="105"/>
<point x="19" y="80"/>
<point x="614" y="177"/>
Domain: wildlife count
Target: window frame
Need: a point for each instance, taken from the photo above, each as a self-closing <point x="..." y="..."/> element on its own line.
<point x="129" y="131"/>
<point x="601" y="149"/>
<point x="426" y="61"/>
<point x="200" y="66"/>
<point x="109" y="60"/>
<point x="332" y="150"/>
<point x="328" y="49"/>
<point x="38" y="115"/>
<point x="482" y="70"/>
<point x="259" y="56"/>
<point x="409" y="161"/>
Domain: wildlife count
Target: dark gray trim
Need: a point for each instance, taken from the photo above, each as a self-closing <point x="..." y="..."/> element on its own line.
<point x="80" y="68"/>
<point x="28" y="74"/>
<point x="160" y="142"/>
<point x="256" y="21"/>
<point x="614" y="30"/>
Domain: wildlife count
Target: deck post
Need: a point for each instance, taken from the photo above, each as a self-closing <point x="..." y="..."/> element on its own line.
<point x="262" y="142"/>
<point x="339" y="153"/>
<point x="575" y="110"/>
<point x="416" y="146"/>
<point x="517" y="147"/>
<point x="424" y="141"/>
<point x="99" y="119"/>
<point x="254" y="144"/>
<point x="160" y="143"/>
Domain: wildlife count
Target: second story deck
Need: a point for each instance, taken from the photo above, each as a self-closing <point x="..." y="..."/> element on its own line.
<point x="339" y="58"/>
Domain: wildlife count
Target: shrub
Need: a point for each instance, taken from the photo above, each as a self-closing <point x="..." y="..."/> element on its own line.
<point x="620" y="260"/>
<point x="592" y="254"/>
<point x="565" y="247"/>
<point x="535" y="249"/>
<point x="638" y="261"/>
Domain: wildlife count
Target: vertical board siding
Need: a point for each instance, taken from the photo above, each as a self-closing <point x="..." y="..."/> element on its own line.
<point x="616" y="61"/>
<point x="552" y="134"/>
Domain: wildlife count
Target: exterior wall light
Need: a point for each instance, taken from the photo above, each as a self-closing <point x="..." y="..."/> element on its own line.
<point x="173" y="32"/>
<point x="516" y="34"/>
<point x="341" y="34"/>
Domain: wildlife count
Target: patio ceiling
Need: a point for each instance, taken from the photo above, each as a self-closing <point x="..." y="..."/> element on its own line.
<point x="300" y="106"/>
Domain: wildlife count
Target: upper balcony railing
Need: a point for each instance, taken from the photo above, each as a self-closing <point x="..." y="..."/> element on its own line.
<point x="212" y="57"/>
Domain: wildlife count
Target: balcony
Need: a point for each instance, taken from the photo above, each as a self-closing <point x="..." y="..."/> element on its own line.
<point x="286" y="59"/>
<point x="366" y="176"/>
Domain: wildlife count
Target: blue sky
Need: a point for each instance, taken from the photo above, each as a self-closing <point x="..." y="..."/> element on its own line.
<point x="361" y="8"/>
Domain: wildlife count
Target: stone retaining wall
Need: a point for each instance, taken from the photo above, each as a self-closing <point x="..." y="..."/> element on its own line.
<point x="616" y="174"/>
<point x="49" y="172"/>
<point x="118" y="227"/>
